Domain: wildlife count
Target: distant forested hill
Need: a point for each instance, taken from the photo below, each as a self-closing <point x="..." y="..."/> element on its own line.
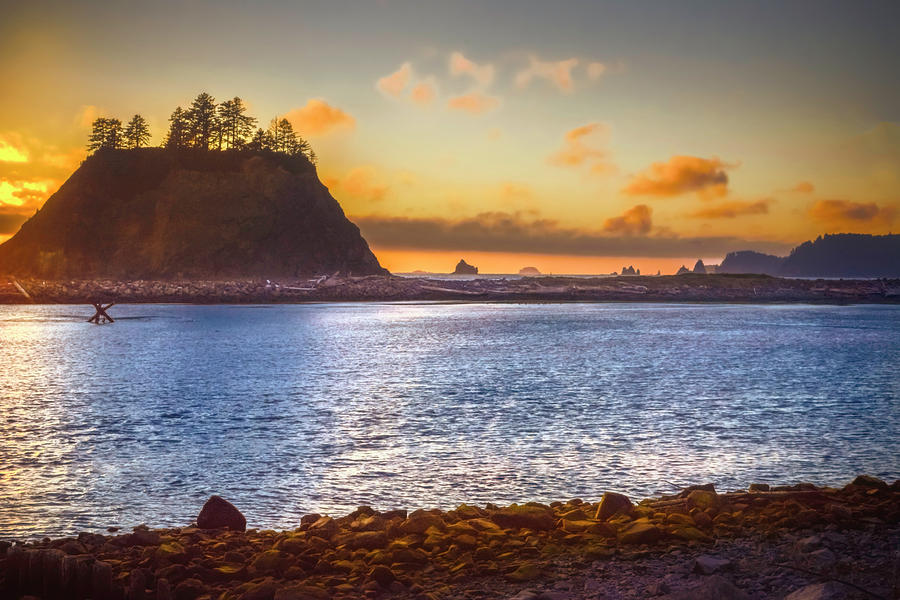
<point x="838" y="255"/>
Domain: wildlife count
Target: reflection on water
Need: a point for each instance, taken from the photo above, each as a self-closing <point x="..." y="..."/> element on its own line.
<point x="287" y="410"/>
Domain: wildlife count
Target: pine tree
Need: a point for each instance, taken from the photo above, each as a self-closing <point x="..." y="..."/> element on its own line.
<point x="106" y="134"/>
<point x="178" y="130"/>
<point x="261" y="140"/>
<point x="237" y="126"/>
<point x="201" y="118"/>
<point x="137" y="132"/>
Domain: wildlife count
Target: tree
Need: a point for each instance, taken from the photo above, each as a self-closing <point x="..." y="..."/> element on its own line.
<point x="286" y="140"/>
<point x="178" y="130"/>
<point x="137" y="132"/>
<point x="261" y="140"/>
<point x="237" y="127"/>
<point x="106" y="134"/>
<point x="202" y="121"/>
<point x="313" y="158"/>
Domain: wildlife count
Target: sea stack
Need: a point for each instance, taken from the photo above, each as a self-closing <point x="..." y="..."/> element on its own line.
<point x="154" y="213"/>
<point x="699" y="267"/>
<point x="464" y="268"/>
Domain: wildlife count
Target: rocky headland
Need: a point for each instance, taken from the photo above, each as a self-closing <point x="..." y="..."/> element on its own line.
<point x="687" y="287"/>
<point x="799" y="542"/>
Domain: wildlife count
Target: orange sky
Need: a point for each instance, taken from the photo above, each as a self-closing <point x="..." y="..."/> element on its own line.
<point x="601" y="135"/>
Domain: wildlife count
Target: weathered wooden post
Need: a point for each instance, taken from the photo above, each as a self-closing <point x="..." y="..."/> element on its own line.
<point x="100" y="315"/>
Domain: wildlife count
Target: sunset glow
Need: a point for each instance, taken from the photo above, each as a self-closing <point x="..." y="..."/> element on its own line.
<point x="652" y="135"/>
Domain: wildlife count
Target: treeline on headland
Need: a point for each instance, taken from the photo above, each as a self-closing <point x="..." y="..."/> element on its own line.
<point x="836" y="255"/>
<point x="205" y="125"/>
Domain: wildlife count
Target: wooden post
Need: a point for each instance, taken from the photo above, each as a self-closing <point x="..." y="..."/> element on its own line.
<point x="100" y="316"/>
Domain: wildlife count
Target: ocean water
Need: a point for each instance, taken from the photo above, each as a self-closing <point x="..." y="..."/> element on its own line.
<point x="288" y="410"/>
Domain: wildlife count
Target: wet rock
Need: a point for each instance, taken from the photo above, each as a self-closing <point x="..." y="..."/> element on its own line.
<point x="420" y="523"/>
<point x="218" y="513"/>
<point x="820" y="591"/>
<point x="759" y="487"/>
<point x="639" y="533"/>
<point x="612" y="503"/>
<point x="524" y="517"/>
<point x="707" y="565"/>
<point x="867" y="481"/>
<point x="702" y="499"/>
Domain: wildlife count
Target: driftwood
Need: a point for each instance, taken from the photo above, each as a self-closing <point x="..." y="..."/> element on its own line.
<point x="100" y="316"/>
<point x="747" y="496"/>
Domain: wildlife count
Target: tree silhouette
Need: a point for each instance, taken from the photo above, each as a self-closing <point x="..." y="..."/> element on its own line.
<point x="106" y="134"/>
<point x="137" y="132"/>
<point x="178" y="130"/>
<point x="286" y="140"/>
<point x="201" y="118"/>
<point x="261" y="140"/>
<point x="237" y="127"/>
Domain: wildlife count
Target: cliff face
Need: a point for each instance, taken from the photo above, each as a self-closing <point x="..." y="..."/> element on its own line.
<point x="156" y="214"/>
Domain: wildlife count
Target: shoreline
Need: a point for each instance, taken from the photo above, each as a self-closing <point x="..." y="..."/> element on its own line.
<point x="689" y="288"/>
<point x="760" y="542"/>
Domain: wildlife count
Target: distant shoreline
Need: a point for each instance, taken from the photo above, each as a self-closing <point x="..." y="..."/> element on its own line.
<point x="692" y="288"/>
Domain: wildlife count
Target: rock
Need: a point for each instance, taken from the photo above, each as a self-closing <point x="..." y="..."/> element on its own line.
<point x="820" y="591"/>
<point x="699" y="267"/>
<point x="707" y="565"/>
<point x="464" y="268"/>
<point x="524" y="517"/>
<point x="612" y="503"/>
<point x="639" y="533"/>
<point x="822" y="559"/>
<point x="218" y="513"/>
<point x="759" y="487"/>
<point x="526" y="572"/>
<point x="529" y="271"/>
<point x="189" y="589"/>
<point x="302" y="592"/>
<point x="714" y="587"/>
<point x="683" y="270"/>
<point x="808" y="544"/>
<point x="702" y="499"/>
<point x="261" y="591"/>
<point x="420" y="523"/>
<point x="383" y="575"/>
<point x="867" y="481"/>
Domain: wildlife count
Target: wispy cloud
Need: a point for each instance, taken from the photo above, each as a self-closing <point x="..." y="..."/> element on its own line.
<point x="581" y="146"/>
<point x="637" y="220"/>
<point x="473" y="103"/>
<point x="680" y="175"/>
<point x="395" y="83"/>
<point x="846" y="211"/>
<point x="558" y="73"/>
<point x="423" y="93"/>
<point x="513" y="232"/>
<point x="460" y="65"/>
<point x="319" y="118"/>
<point x="731" y="210"/>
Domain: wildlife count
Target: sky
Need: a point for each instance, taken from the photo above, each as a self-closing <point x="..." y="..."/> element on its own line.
<point x="575" y="137"/>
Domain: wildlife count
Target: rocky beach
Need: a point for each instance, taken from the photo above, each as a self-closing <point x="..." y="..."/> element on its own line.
<point x="342" y="288"/>
<point x="799" y="542"/>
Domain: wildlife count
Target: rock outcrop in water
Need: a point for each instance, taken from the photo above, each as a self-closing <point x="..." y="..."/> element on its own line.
<point x="160" y="214"/>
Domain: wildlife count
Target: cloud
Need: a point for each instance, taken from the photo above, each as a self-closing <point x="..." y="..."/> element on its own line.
<point x="512" y="191"/>
<point x="423" y="93"/>
<point x="88" y="114"/>
<point x="804" y="187"/>
<point x="831" y="211"/>
<point x="512" y="232"/>
<point x="680" y="175"/>
<point x="634" y="221"/>
<point x="559" y="73"/>
<point x="396" y="82"/>
<point x="595" y="70"/>
<point x="730" y="210"/>
<point x="460" y="65"/>
<point x="580" y="148"/>
<point x="363" y="182"/>
<point x="12" y="151"/>
<point x="474" y="103"/>
<point x="319" y="118"/>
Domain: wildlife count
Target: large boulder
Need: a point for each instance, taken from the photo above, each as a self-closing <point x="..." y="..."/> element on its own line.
<point x="218" y="513"/>
<point x="612" y="503"/>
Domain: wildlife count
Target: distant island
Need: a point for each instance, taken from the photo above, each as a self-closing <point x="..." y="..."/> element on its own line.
<point x="529" y="271"/>
<point x="464" y="268"/>
<point x="848" y="255"/>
